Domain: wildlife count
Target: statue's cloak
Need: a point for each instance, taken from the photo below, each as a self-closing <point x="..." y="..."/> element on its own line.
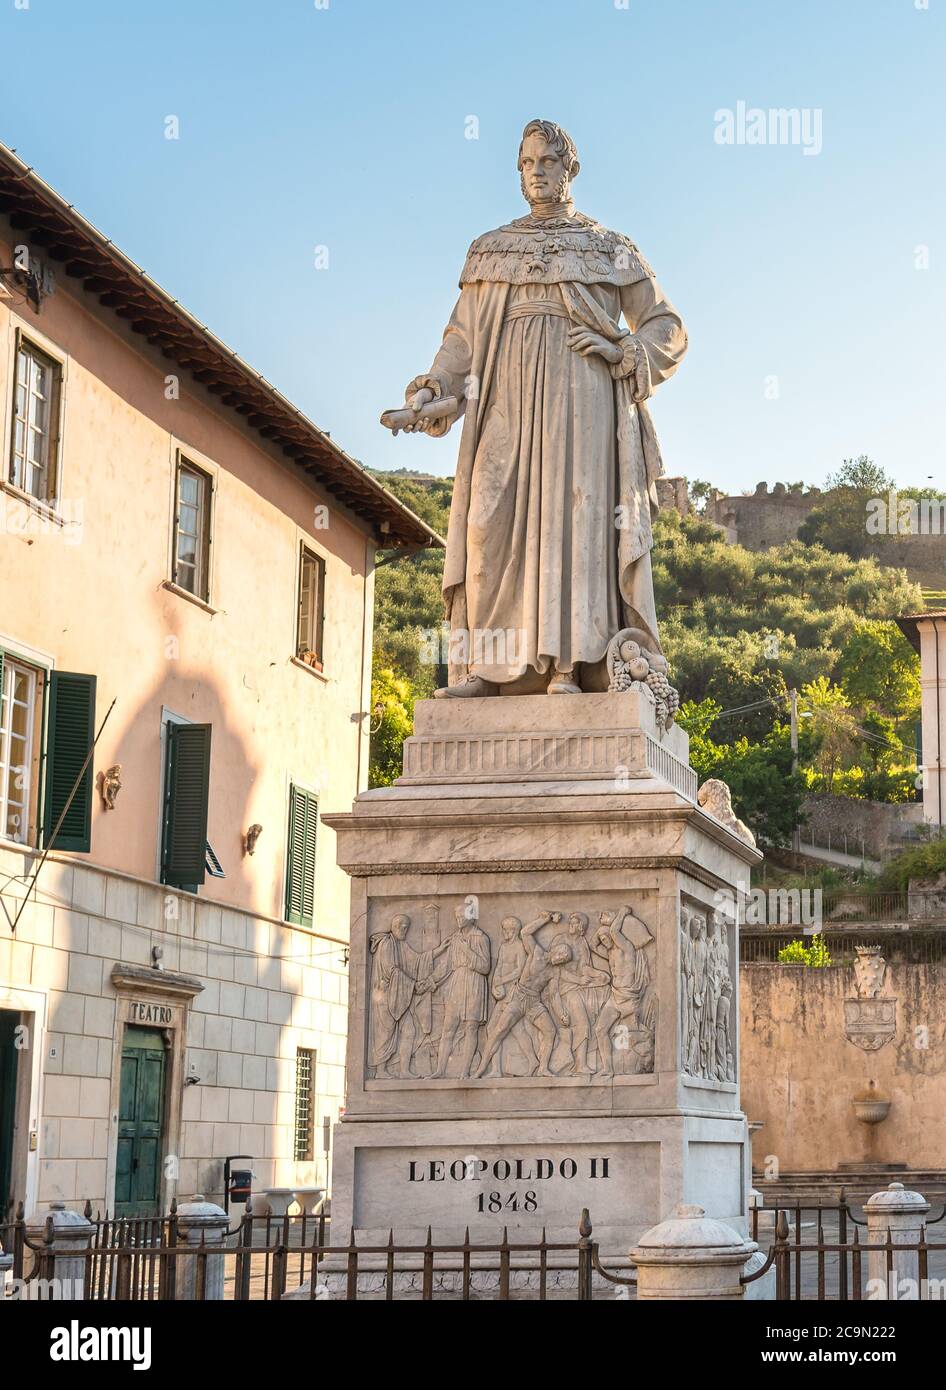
<point x="571" y="252"/>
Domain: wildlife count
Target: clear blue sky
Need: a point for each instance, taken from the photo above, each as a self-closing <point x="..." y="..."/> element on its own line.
<point x="344" y="127"/>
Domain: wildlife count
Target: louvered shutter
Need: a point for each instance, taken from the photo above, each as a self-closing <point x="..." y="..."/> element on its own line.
<point x="300" y="873"/>
<point x="71" y="733"/>
<point x="186" y="799"/>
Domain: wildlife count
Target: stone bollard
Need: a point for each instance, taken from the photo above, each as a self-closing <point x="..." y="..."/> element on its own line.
<point x="67" y="1235"/>
<point x="691" y="1256"/>
<point x="201" y="1223"/>
<point x="900" y="1212"/>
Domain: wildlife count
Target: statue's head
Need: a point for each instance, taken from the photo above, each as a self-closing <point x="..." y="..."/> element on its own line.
<point x="548" y="161"/>
<point x="400" y="927"/>
<point x="561" y="953"/>
<point x="577" y="924"/>
<point x="510" y="928"/>
<point x="468" y="914"/>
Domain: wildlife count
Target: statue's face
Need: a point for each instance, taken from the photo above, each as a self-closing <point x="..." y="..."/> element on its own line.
<point x="399" y="927"/>
<point x="542" y="169"/>
<point x="510" y="928"/>
<point x="576" y="925"/>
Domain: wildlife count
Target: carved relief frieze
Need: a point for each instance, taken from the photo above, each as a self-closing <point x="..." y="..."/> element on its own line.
<point x="707" y="1029"/>
<point x="551" y="992"/>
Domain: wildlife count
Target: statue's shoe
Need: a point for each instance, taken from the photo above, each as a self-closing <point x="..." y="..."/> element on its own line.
<point x="563" y="683"/>
<point x="468" y="688"/>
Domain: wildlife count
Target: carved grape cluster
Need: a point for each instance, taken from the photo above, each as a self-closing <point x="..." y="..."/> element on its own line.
<point x="668" y="699"/>
<point x="631" y="666"/>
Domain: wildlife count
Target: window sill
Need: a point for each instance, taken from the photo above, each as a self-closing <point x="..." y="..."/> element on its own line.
<point x="304" y="665"/>
<point x="45" y="509"/>
<point x="173" y="588"/>
<point x="25" y="846"/>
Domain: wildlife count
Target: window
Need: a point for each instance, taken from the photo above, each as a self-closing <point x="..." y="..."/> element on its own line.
<point x="37" y="390"/>
<point x="18" y="738"/>
<point x="70" y="732"/>
<point x="304" y="1146"/>
<point x="300" y="870"/>
<point x="192" y="530"/>
<point x="186" y="802"/>
<point x="309" y="622"/>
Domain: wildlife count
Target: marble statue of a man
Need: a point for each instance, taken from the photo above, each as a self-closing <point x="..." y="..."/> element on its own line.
<point x="548" y="548"/>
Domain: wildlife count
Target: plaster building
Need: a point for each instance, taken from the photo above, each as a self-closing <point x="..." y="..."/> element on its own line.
<point x="186" y="569"/>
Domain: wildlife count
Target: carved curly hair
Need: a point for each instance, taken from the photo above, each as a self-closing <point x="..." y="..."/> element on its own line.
<point x="558" y="139"/>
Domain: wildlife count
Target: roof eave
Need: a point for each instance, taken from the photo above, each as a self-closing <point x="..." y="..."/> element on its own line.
<point x="123" y="287"/>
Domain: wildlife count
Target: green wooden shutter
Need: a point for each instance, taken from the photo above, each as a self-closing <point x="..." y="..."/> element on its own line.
<point x="300" y="872"/>
<point x="71" y="733"/>
<point x="186" y="798"/>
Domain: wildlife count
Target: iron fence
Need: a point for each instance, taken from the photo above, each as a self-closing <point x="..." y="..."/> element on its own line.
<point x="835" y="1266"/>
<point x="136" y="1257"/>
<point x="268" y="1258"/>
<point x="921" y="946"/>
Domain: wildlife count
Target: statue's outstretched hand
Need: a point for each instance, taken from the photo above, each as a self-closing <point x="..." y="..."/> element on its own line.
<point x="419" y="398"/>
<point x="586" y="341"/>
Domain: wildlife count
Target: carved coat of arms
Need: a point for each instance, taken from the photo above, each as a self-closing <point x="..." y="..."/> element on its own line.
<point x="870" y="1019"/>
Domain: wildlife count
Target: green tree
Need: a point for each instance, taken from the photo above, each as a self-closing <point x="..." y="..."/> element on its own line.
<point x="816" y="956"/>
<point x="832" y="726"/>
<point x="766" y="794"/>
<point x="392" y="705"/>
<point x="877" y="668"/>
<point x="840" y="521"/>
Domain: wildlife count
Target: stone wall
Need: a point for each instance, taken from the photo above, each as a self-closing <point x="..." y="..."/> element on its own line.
<point x="800" y="1072"/>
<point x="882" y="824"/>
<point x="761" y="519"/>
<point x="767" y="517"/>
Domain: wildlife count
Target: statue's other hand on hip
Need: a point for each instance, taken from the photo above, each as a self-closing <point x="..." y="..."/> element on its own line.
<point x="586" y="341"/>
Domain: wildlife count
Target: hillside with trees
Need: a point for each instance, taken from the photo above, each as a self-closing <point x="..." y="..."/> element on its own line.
<point x="740" y="629"/>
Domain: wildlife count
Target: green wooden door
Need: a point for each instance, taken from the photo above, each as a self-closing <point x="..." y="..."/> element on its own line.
<point x="140" y="1123"/>
<point x="8" y="1072"/>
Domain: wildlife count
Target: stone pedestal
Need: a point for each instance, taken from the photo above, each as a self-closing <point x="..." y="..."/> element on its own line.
<point x="512" y="809"/>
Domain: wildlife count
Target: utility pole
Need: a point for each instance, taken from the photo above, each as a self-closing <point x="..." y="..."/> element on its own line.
<point x="793" y="699"/>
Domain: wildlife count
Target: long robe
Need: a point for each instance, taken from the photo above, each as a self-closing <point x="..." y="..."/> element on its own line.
<point x="548" y="549"/>
<point x="397" y="969"/>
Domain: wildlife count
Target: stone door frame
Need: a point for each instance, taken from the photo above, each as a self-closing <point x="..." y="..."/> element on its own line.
<point x="160" y="999"/>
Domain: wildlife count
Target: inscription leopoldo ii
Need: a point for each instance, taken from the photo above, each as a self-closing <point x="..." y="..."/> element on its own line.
<point x="521" y="1169"/>
<point x="506" y="1170"/>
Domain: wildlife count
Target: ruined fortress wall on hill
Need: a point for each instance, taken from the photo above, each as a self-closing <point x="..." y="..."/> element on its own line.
<point x="765" y="518"/>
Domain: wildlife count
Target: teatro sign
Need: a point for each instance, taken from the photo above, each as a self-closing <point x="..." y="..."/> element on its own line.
<point x="142" y="1011"/>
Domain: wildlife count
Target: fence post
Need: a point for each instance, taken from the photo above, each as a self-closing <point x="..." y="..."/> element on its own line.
<point x="201" y="1225"/>
<point x="691" y="1256"/>
<point x="69" y="1237"/>
<point x="895" y="1215"/>
<point x="585" y="1266"/>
